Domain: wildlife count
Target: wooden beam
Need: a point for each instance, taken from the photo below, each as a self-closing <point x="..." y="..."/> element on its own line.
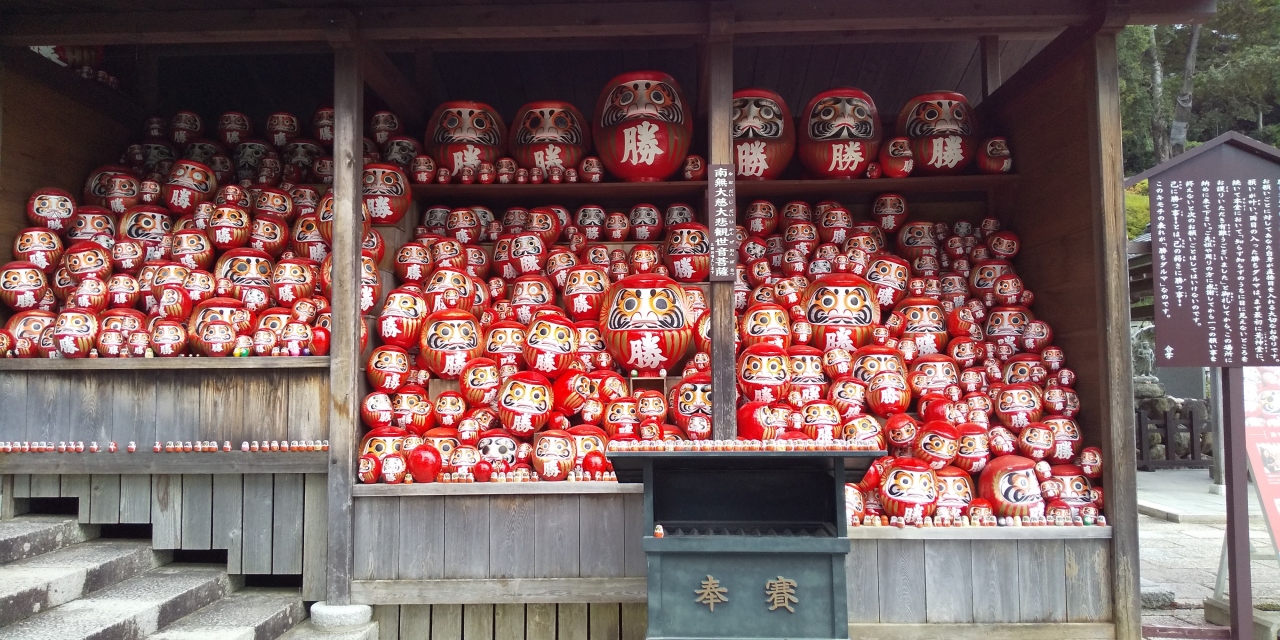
<point x="719" y="74"/>
<point x="392" y="86"/>
<point x="507" y="591"/>
<point x="218" y="462"/>
<point x="344" y="376"/>
<point x="990" y="50"/>
<point x="169" y="27"/>
<point x="90" y="93"/>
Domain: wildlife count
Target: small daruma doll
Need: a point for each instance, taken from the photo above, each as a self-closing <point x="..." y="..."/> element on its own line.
<point x="908" y="490"/>
<point x="386" y="193"/>
<point x="524" y="403"/>
<point x="1010" y="484"/>
<point x="688" y="252"/>
<point x="940" y="127"/>
<point x="764" y="373"/>
<point x="465" y="134"/>
<point x="839" y="134"/>
<point x="646" y="324"/>
<point x="764" y="137"/>
<point x="584" y="291"/>
<point x="642" y="127"/>
<point x="450" y="339"/>
<point x="842" y="309"/>
<point x="551" y="345"/>
<point x="548" y="134"/>
<point x="553" y="454"/>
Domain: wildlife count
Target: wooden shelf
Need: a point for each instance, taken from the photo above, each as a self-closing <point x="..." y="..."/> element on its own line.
<point x="90" y="93"/>
<point x="161" y="364"/>
<point x="978" y="533"/>
<point x="532" y="195"/>
<point x="977" y="185"/>
<point x="493" y="489"/>
<point x="218" y="462"/>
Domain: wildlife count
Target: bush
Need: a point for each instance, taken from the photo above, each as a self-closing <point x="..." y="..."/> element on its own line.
<point x="1137" y="212"/>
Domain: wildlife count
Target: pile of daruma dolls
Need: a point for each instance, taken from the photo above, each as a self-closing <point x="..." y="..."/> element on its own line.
<point x="179" y="249"/>
<point x="916" y="338"/>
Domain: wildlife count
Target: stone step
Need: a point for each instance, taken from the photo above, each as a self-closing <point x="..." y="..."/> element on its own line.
<point x="29" y="536"/>
<point x="248" y="614"/>
<point x="309" y="631"/>
<point x="130" y="610"/>
<point x="30" y="586"/>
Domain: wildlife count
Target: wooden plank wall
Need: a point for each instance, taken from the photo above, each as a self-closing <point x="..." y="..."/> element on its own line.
<point x="47" y="140"/>
<point x="498" y="537"/>
<point x="267" y="523"/>
<point x="512" y="622"/>
<point x="146" y="406"/>
<point x="979" y="581"/>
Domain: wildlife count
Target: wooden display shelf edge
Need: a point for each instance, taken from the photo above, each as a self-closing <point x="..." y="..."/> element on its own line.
<point x="500" y="591"/>
<point x="981" y="630"/>
<point x="492" y="489"/>
<point x="920" y="184"/>
<point x="220" y="462"/>
<point x="979" y="533"/>
<point x="149" y="364"/>
<point x="601" y="190"/>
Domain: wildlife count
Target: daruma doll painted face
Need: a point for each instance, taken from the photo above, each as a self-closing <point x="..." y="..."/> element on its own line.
<point x="842" y="309"/>
<point x="641" y="126"/>
<point x="548" y="134"/>
<point x="839" y="133"/>
<point x="465" y="134"/>
<point x="646" y="324"/>
<point x="941" y="132"/>
<point x="764" y="138"/>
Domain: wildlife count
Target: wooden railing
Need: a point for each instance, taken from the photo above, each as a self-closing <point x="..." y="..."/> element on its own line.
<point x="1169" y="426"/>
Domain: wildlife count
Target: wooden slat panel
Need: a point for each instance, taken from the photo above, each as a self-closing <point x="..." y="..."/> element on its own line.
<point x="1042" y="571"/>
<point x="477" y="621"/>
<point x="377" y="538"/>
<point x="133" y="407"/>
<point x="166" y="511"/>
<point x="259" y="508"/>
<point x="901" y="567"/>
<point x="174" y="399"/>
<point x="228" y="518"/>
<point x="511" y="547"/>
<point x="13" y="395"/>
<point x="308" y="408"/>
<point x="446" y="622"/>
<point x="500" y="591"/>
<point x="197" y="511"/>
<point x="286" y="535"/>
<point x="415" y="622"/>
<point x="421" y="538"/>
<point x="540" y="622"/>
<point x="314" y="539"/>
<point x="508" y="622"/>
<point x="602" y="522"/>
<point x="388" y="619"/>
<point x="556" y="537"/>
<point x="606" y="622"/>
<point x="22" y="486"/>
<point x="135" y="498"/>
<point x="222" y="409"/>
<point x="635" y="621"/>
<point x="633" y="533"/>
<point x="78" y="486"/>
<point x="104" y="499"/>
<point x="466" y="520"/>
<point x="948" y="589"/>
<point x="1088" y="564"/>
<point x="48" y="413"/>
<point x="91" y="410"/>
<point x="862" y="580"/>
<point x="995" y="581"/>
<point x="265" y="410"/>
<point x="571" y="621"/>
<point x="46" y="486"/>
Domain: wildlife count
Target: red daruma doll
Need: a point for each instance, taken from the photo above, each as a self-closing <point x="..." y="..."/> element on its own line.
<point x="839" y="133"/>
<point x="646" y="324"/>
<point x="524" y="403"/>
<point x="764" y="137"/>
<point x="641" y="126"/>
<point x="450" y="339"/>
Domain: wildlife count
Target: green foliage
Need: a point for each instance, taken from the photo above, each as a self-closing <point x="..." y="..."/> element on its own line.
<point x="1137" y="212"/>
<point x="1236" y="85"/>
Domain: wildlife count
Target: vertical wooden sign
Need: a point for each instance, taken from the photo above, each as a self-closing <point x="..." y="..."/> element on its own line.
<point x="723" y="216"/>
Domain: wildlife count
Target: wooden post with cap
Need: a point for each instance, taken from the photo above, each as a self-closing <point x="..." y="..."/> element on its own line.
<point x="719" y="72"/>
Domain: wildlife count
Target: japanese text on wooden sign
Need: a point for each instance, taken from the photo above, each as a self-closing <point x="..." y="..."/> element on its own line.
<point x="724" y="233"/>
<point x="1213" y="246"/>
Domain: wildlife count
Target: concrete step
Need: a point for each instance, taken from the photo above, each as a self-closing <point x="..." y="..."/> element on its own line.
<point x="30" y="586"/>
<point x="131" y="610"/>
<point x="309" y="631"/>
<point x="248" y="614"/>
<point x="29" y="536"/>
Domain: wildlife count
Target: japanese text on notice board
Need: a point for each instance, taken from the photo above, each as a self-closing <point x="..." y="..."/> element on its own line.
<point x="724" y="219"/>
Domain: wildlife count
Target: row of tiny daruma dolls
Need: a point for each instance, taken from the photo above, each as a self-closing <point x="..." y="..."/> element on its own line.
<point x="925" y="347"/>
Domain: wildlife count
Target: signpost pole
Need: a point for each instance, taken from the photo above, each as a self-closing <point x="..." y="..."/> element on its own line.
<point x="1237" y="464"/>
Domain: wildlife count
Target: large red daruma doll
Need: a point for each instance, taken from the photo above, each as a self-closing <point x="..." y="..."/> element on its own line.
<point x="764" y="138"/>
<point x="549" y="133"/>
<point x="940" y="128"/>
<point x="1010" y="484"/>
<point x="839" y="133"/>
<point x="465" y="134"/>
<point x="450" y="339"/>
<point x="641" y="126"/>
<point x="842" y="309"/>
<point x="646" y="324"/>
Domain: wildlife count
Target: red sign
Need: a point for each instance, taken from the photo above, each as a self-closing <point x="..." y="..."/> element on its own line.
<point x="1262" y="437"/>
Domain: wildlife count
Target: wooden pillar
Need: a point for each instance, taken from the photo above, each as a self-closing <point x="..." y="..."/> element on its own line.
<point x="989" y="46"/>
<point x="344" y="367"/>
<point x="1116" y="373"/>
<point x="1240" y="586"/>
<point x="719" y="74"/>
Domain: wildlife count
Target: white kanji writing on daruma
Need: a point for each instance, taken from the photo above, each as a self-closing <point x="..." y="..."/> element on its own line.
<point x="379" y="207"/>
<point x="640" y="145"/>
<point x="581" y="304"/>
<point x="548" y="158"/>
<point x="646" y="353"/>
<point x="946" y="152"/>
<point x="180" y="198"/>
<point x="845" y="156"/>
<point x="469" y="157"/>
<point x="454" y="362"/>
<point x="751" y="159"/>
<point x="683" y="268"/>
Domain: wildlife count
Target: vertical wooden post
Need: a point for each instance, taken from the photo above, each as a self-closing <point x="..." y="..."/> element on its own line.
<point x="348" y="104"/>
<point x="1237" y="476"/>
<point x="990" y="49"/>
<point x="1115" y="373"/>
<point x="719" y="74"/>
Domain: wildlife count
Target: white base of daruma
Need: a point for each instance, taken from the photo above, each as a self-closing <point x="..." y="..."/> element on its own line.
<point x="329" y="616"/>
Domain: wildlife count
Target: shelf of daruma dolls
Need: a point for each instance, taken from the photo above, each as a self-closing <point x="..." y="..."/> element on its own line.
<point x="436" y="386"/>
<point x="563" y="193"/>
<point x="494" y="489"/>
<point x="981" y="185"/>
<point x="979" y="533"/>
<point x="162" y="364"/>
